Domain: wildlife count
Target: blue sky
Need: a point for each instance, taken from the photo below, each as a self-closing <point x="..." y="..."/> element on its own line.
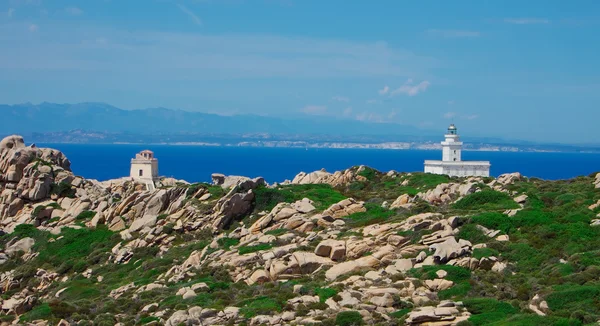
<point x="514" y="69"/>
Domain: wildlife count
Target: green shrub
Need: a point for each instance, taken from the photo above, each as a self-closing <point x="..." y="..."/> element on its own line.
<point x="472" y="233"/>
<point x="40" y="312"/>
<point x="277" y="232"/>
<point x="368" y="173"/>
<point x="262" y="305"/>
<point x="322" y="195"/>
<point x="349" y="318"/>
<point x="62" y="189"/>
<point x="85" y="215"/>
<point x="148" y="319"/>
<point x="249" y="249"/>
<point x="484" y="252"/>
<point x="374" y="214"/>
<point x="486" y="199"/>
<point x="573" y="297"/>
<point x="227" y="243"/>
<point x="486" y="310"/>
<point x="325" y="293"/>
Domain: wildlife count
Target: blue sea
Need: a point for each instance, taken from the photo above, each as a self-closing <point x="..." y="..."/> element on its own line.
<point x="197" y="163"/>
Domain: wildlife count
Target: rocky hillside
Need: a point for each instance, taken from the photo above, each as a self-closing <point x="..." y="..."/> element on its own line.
<point x="354" y="247"/>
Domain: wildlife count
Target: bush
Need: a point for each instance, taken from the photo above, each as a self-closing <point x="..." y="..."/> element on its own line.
<point x="262" y="305"/>
<point x="486" y="199"/>
<point x="348" y="318"/>
<point x="374" y="214"/>
<point x="62" y="189"/>
<point x="322" y="195"/>
<point x="325" y="293"/>
<point x="472" y="233"/>
<point x="277" y="232"/>
<point x="486" y="311"/>
<point x="40" y="312"/>
<point x="484" y="252"/>
<point x="249" y="249"/>
<point x="85" y="215"/>
<point x="227" y="243"/>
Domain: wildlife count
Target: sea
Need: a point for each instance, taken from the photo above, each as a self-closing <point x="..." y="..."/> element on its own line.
<point x="197" y="163"/>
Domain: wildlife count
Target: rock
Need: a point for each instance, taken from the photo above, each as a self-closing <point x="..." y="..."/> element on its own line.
<point x="23" y="245"/>
<point x="383" y="301"/>
<point x="450" y="249"/>
<point x="351" y="266"/>
<point x="521" y="199"/>
<point x="244" y="183"/>
<point x="502" y="237"/>
<point x="189" y="294"/>
<point x="334" y="249"/>
<point x="140" y="223"/>
<point x="231" y="206"/>
<point x="344" y="208"/>
<point x="400" y="201"/>
<point x="303" y="206"/>
<point x="150" y="308"/>
<point x="441" y="273"/>
<point x="259" y="276"/>
<point x="404" y="265"/>
<point x="499" y="267"/>
<point x="12" y="142"/>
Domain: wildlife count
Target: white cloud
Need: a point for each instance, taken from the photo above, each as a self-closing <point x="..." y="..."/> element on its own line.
<point x="33" y="28"/>
<point x="384" y="90"/>
<point x="449" y="115"/>
<point x="314" y="109"/>
<point x="369" y="116"/>
<point x="10" y="12"/>
<point x="340" y="99"/>
<point x="453" y="33"/>
<point x="135" y="55"/>
<point x="348" y="112"/>
<point x="73" y="11"/>
<point x="471" y="117"/>
<point x="526" y="21"/>
<point x="411" y="89"/>
<point x="191" y="14"/>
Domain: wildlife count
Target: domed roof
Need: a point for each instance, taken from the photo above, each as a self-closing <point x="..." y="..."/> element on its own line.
<point x="452" y="127"/>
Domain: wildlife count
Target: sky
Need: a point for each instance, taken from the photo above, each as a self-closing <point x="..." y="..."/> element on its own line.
<point x="525" y="70"/>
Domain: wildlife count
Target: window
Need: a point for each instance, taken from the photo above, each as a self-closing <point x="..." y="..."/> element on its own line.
<point x="455" y="152"/>
<point x="454" y="160"/>
<point x="141" y="172"/>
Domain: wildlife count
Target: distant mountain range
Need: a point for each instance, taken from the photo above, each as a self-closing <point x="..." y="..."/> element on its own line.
<point x="103" y="123"/>
<point x="50" y="117"/>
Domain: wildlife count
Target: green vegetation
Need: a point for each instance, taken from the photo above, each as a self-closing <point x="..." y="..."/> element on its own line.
<point x="227" y="243"/>
<point x="374" y="214"/>
<point x="277" y="232"/>
<point x="486" y="311"/>
<point x="322" y="195"/>
<point x="349" y="318"/>
<point x="486" y="200"/>
<point x="85" y="215"/>
<point x="250" y="249"/>
<point x="62" y="189"/>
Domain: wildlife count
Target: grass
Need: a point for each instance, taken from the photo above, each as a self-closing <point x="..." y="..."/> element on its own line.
<point x="484" y="252"/>
<point x="486" y="311"/>
<point x="250" y="249"/>
<point x="348" y="318"/>
<point x="42" y="311"/>
<point x="486" y="200"/>
<point x="262" y="305"/>
<point x="85" y="215"/>
<point x="227" y="243"/>
<point x="374" y="214"/>
<point x="322" y="195"/>
<point x="277" y="232"/>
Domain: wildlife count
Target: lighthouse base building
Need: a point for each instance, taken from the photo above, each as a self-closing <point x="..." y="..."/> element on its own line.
<point x="451" y="163"/>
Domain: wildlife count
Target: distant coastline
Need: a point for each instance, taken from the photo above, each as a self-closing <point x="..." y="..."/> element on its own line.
<point x="398" y="146"/>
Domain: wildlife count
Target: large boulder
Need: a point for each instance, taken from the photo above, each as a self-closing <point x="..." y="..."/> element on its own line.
<point x="23" y="245"/>
<point x="243" y="183"/>
<point x="450" y="249"/>
<point x="351" y="266"/>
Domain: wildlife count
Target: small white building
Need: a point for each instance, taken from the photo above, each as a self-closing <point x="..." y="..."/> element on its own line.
<point x="451" y="163"/>
<point x="144" y="169"/>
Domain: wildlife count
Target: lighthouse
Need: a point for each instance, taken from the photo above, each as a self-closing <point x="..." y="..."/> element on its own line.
<point x="452" y="163"/>
<point x="144" y="169"/>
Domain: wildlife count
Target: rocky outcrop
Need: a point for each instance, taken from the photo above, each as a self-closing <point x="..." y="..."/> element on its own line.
<point x="338" y="178"/>
<point x="344" y="208"/>
<point x="243" y="183"/>
<point x="450" y="249"/>
<point x="446" y="193"/>
<point x="445" y="313"/>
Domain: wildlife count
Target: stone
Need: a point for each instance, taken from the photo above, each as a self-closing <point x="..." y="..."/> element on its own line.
<point x="259" y="276"/>
<point x="189" y="294"/>
<point x="404" y="265"/>
<point x="450" y="249"/>
<point x="351" y="266"/>
<point x="334" y="249"/>
<point x="503" y="237"/>
<point x="23" y="245"/>
<point x="383" y="301"/>
<point x="303" y="206"/>
<point x="140" y="223"/>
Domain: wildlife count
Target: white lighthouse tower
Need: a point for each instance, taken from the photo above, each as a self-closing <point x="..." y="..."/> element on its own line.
<point x="144" y="169"/>
<point x="452" y="146"/>
<point x="452" y="164"/>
